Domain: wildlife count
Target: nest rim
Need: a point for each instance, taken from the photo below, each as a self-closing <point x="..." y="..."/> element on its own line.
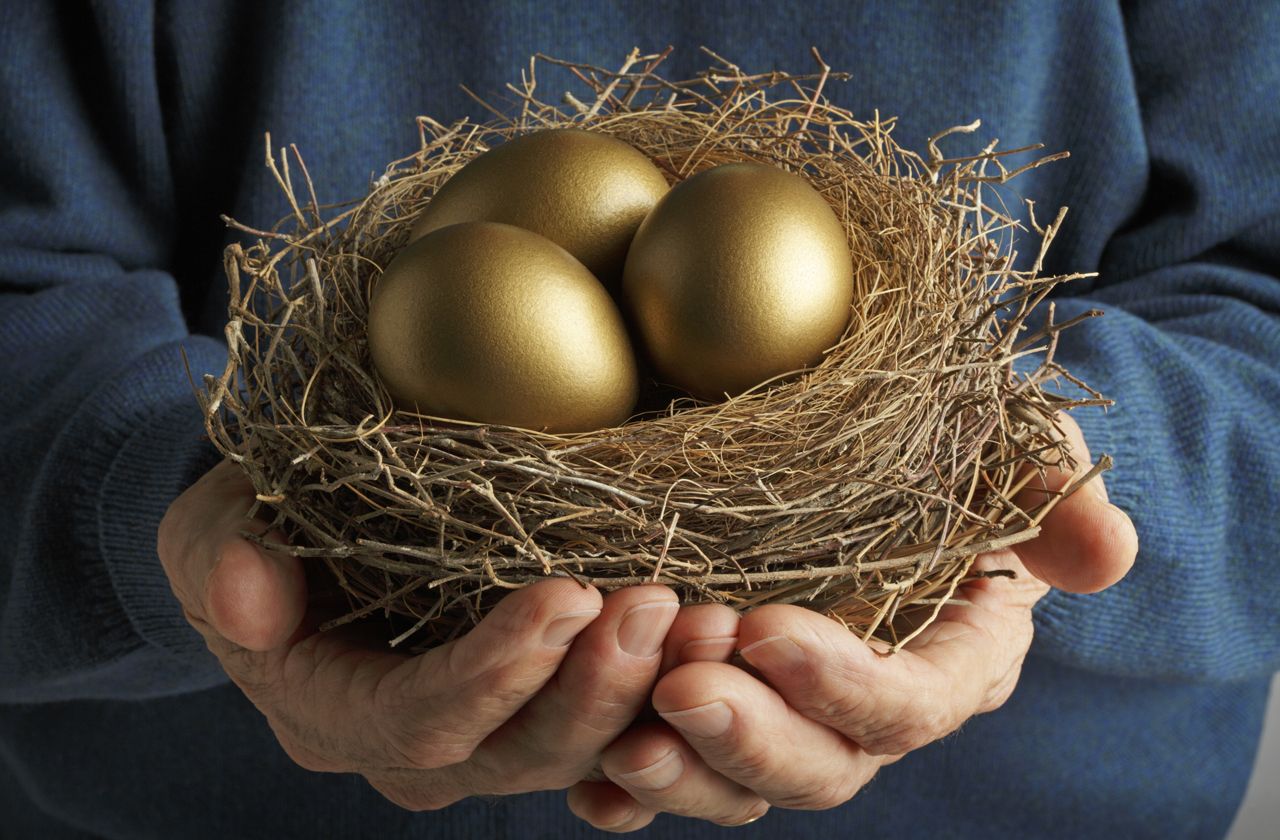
<point x="897" y="579"/>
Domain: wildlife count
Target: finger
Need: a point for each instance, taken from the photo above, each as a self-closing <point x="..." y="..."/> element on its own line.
<point x="700" y="633"/>
<point x="602" y="684"/>
<point x="331" y="696"/>
<point x="435" y="709"/>
<point x="1085" y="543"/>
<point x="228" y="586"/>
<point x="608" y="807"/>
<point x="253" y="598"/>
<point x="748" y="733"/>
<point x="887" y="704"/>
<point x="663" y="772"/>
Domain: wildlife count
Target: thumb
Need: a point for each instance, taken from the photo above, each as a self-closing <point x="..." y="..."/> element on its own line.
<point x="1086" y="543"/>
<point x="254" y="598"/>
<point x="228" y="586"/>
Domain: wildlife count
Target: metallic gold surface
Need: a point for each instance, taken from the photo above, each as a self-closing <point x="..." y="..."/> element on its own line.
<point x="492" y="323"/>
<point x="741" y="272"/>
<point x="583" y="190"/>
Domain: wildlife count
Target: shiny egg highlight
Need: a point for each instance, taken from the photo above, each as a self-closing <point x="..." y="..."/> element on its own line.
<point x="584" y="190"/>
<point x="740" y="273"/>
<point x="492" y="323"/>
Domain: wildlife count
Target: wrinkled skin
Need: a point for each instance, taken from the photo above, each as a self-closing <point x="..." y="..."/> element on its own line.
<point x="825" y="711"/>
<point x="548" y="686"/>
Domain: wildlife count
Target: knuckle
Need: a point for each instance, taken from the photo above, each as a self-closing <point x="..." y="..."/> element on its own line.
<point x="914" y="736"/>
<point x="411" y="798"/>
<point x="307" y="747"/>
<point x="530" y="779"/>
<point x="514" y="616"/>
<point x="498" y="775"/>
<point x="559" y="779"/>
<point x="413" y="741"/>
<point x="523" y="780"/>
<point x="998" y="698"/>
<point x="843" y="711"/>
<point x="490" y="773"/>
<point x="215" y="643"/>
<point x="457" y="665"/>
<point x="922" y="726"/>
<point x="250" y="672"/>
<point x="419" y="746"/>
<point x="510" y="686"/>
<point x="557" y="776"/>
<point x="879" y="718"/>
<point x="919" y="719"/>
<point x="824" y="794"/>
<point x="934" y="723"/>
<point x="1001" y="692"/>
<point x="527" y="760"/>
<point x="505" y="684"/>
<point x="750" y="765"/>
<point x="602" y="705"/>
<point x="304" y="757"/>
<point x="886" y="740"/>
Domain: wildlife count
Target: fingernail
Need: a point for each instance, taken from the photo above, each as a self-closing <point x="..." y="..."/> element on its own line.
<point x="562" y="630"/>
<point x="776" y="653"/>
<point x="661" y="774"/>
<point x="708" y="650"/>
<point x="707" y="721"/>
<point x="644" y="627"/>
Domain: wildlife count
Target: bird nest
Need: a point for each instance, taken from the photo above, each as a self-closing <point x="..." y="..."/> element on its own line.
<point x="863" y="488"/>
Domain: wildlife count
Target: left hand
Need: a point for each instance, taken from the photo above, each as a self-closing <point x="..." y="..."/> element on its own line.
<point x="833" y="710"/>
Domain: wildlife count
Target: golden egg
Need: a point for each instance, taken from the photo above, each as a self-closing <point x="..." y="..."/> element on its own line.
<point x="493" y="323"/>
<point x="584" y="190"/>
<point x="741" y="273"/>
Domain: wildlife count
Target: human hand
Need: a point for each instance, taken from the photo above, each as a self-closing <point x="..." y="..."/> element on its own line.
<point x="526" y="701"/>
<point x="830" y="711"/>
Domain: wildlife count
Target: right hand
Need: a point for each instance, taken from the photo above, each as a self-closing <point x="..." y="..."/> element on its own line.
<point x="527" y="700"/>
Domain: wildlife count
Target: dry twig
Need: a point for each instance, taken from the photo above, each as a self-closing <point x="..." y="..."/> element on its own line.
<point x="861" y="488"/>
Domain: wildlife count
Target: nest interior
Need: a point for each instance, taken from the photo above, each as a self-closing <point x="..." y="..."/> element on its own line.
<point x="863" y="488"/>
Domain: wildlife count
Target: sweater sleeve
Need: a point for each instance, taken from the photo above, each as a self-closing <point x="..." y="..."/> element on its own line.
<point x="1190" y="350"/>
<point x="99" y="429"/>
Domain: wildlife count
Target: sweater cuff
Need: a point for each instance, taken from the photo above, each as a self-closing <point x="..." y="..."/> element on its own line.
<point x="162" y="457"/>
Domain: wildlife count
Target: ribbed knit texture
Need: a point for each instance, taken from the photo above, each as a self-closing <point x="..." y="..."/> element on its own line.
<point x="126" y="130"/>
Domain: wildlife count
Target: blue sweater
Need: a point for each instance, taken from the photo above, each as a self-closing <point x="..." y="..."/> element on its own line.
<point x="125" y="130"/>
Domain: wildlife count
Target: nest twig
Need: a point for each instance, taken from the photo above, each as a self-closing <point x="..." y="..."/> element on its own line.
<point x="863" y="488"/>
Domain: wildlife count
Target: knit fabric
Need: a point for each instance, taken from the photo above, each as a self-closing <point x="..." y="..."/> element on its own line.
<point x="126" y="129"/>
